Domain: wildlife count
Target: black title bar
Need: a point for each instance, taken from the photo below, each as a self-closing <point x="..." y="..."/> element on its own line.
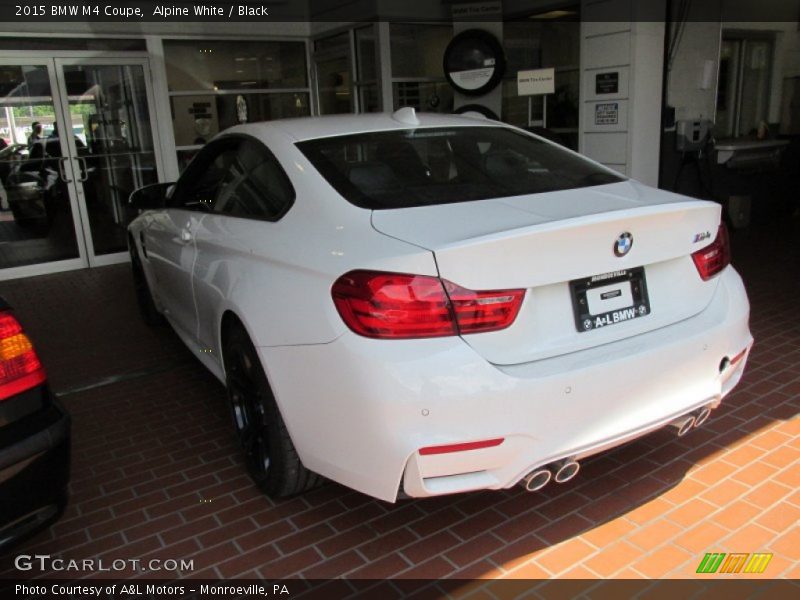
<point x="145" y="11"/>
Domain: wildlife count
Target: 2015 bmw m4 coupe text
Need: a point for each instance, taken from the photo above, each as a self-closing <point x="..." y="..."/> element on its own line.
<point x="416" y="305"/>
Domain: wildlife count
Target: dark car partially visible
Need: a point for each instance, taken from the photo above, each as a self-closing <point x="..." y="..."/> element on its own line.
<point x="34" y="438"/>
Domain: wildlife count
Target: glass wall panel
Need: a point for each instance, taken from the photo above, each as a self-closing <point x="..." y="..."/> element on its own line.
<point x="418" y="50"/>
<point x="225" y="65"/>
<point x="217" y="84"/>
<point x="197" y="119"/>
<point x="423" y="96"/>
<point x="365" y="54"/>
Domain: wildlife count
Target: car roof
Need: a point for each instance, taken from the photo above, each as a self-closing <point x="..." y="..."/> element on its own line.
<point x="307" y="128"/>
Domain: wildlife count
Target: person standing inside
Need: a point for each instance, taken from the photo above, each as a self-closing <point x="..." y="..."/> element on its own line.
<point x="36" y="134"/>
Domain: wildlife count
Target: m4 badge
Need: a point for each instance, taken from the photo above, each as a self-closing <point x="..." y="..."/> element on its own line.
<point x="699" y="237"/>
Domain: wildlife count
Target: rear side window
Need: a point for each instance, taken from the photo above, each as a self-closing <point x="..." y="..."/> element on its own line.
<point x="235" y="176"/>
<point x="255" y="186"/>
<point x="421" y="167"/>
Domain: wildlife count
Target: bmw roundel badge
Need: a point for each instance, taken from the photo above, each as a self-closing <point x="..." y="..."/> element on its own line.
<point x="623" y="244"/>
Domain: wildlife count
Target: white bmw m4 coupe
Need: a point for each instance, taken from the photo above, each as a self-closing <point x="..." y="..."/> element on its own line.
<point x="417" y="305"/>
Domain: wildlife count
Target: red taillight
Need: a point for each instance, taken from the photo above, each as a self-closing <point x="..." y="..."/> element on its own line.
<point x="714" y="257"/>
<point x="448" y="448"/>
<point x="20" y="368"/>
<point x="477" y="312"/>
<point x="401" y="306"/>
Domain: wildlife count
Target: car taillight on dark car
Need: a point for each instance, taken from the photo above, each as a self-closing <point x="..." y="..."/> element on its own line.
<point x="714" y="257"/>
<point x="401" y="306"/>
<point x="20" y="368"/>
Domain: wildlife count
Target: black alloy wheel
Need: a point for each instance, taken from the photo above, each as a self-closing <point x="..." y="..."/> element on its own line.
<point x="269" y="453"/>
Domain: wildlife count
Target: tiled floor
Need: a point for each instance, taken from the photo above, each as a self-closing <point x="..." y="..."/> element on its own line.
<point x="156" y="474"/>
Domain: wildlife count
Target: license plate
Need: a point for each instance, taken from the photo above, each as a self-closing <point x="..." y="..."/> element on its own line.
<point x="610" y="298"/>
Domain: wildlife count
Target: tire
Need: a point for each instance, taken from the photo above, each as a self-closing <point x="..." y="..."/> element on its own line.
<point x="270" y="455"/>
<point x="144" y="298"/>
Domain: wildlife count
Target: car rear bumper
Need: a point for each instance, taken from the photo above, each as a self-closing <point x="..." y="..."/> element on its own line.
<point x="359" y="410"/>
<point x="34" y="472"/>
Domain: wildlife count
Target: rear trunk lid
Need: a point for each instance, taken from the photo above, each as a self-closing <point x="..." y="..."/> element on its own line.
<point x="551" y="244"/>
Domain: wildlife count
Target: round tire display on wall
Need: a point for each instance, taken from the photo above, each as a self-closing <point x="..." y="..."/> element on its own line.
<point x="477" y="108"/>
<point x="474" y="62"/>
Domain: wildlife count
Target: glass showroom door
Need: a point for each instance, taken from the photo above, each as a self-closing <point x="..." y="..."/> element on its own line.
<point x="111" y="142"/>
<point x="79" y="138"/>
<point x="39" y="231"/>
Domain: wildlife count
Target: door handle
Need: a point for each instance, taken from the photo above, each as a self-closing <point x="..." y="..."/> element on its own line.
<point x="61" y="173"/>
<point x="83" y="170"/>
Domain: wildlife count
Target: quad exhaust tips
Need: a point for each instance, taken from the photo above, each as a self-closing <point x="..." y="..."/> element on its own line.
<point x="686" y="423"/>
<point x="683" y="425"/>
<point x="701" y="416"/>
<point x="567" y="471"/>
<point x="560" y="472"/>
<point x="536" y="480"/>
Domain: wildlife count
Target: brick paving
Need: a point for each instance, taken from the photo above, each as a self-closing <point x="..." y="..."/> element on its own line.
<point x="156" y="473"/>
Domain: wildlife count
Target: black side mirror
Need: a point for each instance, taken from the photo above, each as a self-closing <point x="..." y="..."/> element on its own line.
<point x="150" y="196"/>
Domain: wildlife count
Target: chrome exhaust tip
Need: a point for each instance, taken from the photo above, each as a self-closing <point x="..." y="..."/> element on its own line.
<point x="536" y="480"/>
<point x="567" y="471"/>
<point x="702" y="416"/>
<point x="683" y="425"/>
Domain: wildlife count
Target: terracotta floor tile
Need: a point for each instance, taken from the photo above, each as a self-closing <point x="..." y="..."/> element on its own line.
<point x="754" y="473"/>
<point x="662" y="561"/>
<point x="780" y="517"/>
<point x="770" y="439"/>
<point x="779" y="566"/>
<point x="654" y="534"/>
<point x="609" y="532"/>
<point x="767" y="494"/>
<point x="713" y="473"/>
<point x="750" y="538"/>
<point x="480" y="570"/>
<point x="691" y="512"/>
<point x="613" y="558"/>
<point x="528" y="570"/>
<point x="578" y="573"/>
<point x="782" y="457"/>
<point x="790" y="476"/>
<point x="686" y="489"/>
<point x="649" y="511"/>
<point x="518" y="553"/>
<point x="793" y="572"/>
<point x="735" y="515"/>
<point x="701" y="537"/>
<point x="725" y="491"/>
<point x="629" y="574"/>
<point x="790" y="427"/>
<point x="565" y="555"/>
<point x="743" y="455"/>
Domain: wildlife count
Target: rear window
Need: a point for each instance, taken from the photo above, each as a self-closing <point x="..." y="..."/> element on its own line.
<point x="421" y="167"/>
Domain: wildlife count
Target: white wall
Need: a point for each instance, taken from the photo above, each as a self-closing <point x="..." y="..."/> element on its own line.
<point x="634" y="50"/>
<point x="699" y="43"/>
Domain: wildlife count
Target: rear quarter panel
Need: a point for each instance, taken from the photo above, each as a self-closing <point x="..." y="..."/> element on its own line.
<point x="276" y="276"/>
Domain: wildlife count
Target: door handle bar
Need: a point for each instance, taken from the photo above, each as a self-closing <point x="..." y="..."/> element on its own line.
<point x="84" y="169"/>
<point x="61" y="173"/>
